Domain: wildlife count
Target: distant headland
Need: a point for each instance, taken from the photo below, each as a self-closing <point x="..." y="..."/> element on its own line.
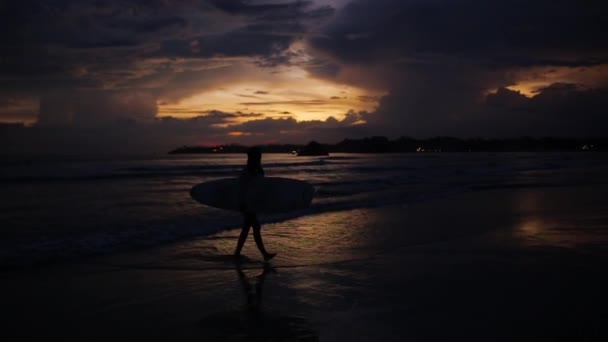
<point x="380" y="144"/>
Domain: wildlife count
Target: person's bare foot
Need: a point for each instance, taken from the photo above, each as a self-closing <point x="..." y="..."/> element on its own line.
<point x="269" y="256"/>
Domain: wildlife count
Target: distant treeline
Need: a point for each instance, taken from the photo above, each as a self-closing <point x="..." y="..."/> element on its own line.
<point x="380" y="144"/>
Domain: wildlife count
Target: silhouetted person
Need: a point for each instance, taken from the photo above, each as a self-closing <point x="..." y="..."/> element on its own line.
<point x="252" y="170"/>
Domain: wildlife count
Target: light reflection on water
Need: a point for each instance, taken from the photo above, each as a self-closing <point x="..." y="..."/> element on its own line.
<point x="56" y="209"/>
<point x="321" y="265"/>
<point x="254" y="321"/>
<point x="308" y="241"/>
<point x="577" y="222"/>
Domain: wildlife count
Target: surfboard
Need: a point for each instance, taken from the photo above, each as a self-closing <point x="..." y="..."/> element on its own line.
<point x="263" y="194"/>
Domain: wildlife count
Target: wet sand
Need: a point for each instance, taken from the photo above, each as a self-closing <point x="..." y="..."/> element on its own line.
<point x="497" y="265"/>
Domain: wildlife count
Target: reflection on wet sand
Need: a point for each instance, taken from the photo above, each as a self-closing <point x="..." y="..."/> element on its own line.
<point x="253" y="322"/>
<point x="580" y="225"/>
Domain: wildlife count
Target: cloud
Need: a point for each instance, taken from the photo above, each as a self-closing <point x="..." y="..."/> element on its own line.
<point x="71" y="44"/>
<point x="256" y="8"/>
<point x="299" y="103"/>
<point x="18" y="109"/>
<point x="107" y="69"/>
<point x="95" y="108"/>
<point x="558" y="110"/>
<point x="439" y="59"/>
<point x="106" y="51"/>
<point x="249" y="115"/>
<point x="161" y="135"/>
<point x="503" y="33"/>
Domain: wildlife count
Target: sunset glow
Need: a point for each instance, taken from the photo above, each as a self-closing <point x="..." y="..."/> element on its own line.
<point x="531" y="81"/>
<point x="175" y="73"/>
<point x="304" y="170"/>
<point x="286" y="92"/>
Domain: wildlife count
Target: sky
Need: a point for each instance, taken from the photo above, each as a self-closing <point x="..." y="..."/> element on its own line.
<point x="133" y="75"/>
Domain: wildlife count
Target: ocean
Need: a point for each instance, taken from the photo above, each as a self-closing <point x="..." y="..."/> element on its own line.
<point x="57" y="209"/>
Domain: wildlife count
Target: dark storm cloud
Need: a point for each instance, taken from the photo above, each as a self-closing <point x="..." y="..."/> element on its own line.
<point x="155" y="25"/>
<point x="517" y="31"/>
<point x="75" y="44"/>
<point x="46" y="39"/>
<point x="251" y="8"/>
<point x="248" y="41"/>
<point x="274" y="12"/>
<point x="494" y="34"/>
<point x="85" y="24"/>
<point x="270" y="29"/>
<point x="278" y="58"/>
<point x="439" y="59"/>
<point x="558" y="110"/>
<point x="95" y="107"/>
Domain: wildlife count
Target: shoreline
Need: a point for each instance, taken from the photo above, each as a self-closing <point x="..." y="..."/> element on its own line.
<point x="510" y="271"/>
<point x="59" y="256"/>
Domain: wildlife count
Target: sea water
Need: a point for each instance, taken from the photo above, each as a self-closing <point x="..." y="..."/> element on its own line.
<point x="56" y="209"/>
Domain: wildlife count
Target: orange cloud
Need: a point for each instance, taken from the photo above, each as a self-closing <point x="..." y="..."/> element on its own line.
<point x="268" y="91"/>
<point x="238" y="134"/>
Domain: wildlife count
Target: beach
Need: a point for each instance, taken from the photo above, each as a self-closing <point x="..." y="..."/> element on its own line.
<point x="406" y="171"/>
<point x="494" y="265"/>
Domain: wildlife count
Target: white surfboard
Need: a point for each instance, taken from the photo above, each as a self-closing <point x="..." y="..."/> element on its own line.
<point x="262" y="195"/>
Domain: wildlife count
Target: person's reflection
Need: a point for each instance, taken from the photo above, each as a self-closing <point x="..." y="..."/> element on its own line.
<point x="255" y="323"/>
<point x="253" y="294"/>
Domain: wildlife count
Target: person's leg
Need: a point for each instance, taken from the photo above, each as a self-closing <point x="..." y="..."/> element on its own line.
<point x="257" y="236"/>
<point x="247" y="222"/>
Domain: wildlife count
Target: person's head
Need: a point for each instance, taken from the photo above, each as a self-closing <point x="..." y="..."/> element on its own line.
<point x="254" y="156"/>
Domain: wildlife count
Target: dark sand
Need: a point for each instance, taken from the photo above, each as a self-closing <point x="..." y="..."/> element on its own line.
<point x="502" y="265"/>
